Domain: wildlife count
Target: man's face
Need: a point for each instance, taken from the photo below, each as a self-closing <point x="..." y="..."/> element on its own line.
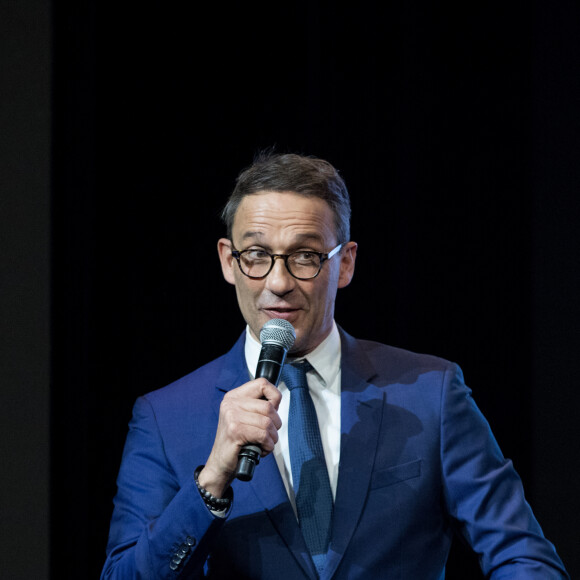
<point x="281" y="223"/>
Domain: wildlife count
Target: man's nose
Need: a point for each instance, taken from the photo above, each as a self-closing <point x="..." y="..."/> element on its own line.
<point x="279" y="281"/>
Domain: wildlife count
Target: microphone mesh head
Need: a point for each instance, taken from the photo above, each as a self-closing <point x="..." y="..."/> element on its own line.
<point x="278" y="331"/>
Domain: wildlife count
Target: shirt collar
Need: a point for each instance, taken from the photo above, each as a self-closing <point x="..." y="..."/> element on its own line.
<point x="325" y="358"/>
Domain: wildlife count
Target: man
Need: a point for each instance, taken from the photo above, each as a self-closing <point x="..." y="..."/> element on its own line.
<point x="393" y="459"/>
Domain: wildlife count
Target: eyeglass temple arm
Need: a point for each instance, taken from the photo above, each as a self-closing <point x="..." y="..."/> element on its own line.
<point x="335" y="251"/>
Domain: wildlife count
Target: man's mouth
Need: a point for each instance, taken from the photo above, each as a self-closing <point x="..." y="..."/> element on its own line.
<point x="279" y="312"/>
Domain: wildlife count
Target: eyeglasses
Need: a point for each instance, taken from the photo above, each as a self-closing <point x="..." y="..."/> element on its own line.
<point x="256" y="263"/>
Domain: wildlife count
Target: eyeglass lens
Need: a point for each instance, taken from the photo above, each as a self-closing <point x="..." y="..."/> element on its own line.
<point x="257" y="263"/>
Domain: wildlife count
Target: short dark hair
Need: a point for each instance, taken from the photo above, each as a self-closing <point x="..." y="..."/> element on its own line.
<point x="290" y="172"/>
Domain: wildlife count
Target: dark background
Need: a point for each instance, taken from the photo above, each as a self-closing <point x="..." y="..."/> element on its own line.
<point x="455" y="127"/>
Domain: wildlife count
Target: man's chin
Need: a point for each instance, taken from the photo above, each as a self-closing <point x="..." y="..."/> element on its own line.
<point x="269" y="315"/>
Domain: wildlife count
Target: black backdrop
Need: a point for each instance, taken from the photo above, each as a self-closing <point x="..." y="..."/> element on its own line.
<point x="455" y="128"/>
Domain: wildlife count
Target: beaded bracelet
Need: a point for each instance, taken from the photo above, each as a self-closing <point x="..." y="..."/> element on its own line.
<point x="211" y="501"/>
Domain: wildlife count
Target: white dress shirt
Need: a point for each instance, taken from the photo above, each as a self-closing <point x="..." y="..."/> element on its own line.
<point x="324" y="386"/>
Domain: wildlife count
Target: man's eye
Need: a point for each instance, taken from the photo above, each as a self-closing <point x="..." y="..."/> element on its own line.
<point x="304" y="257"/>
<point x="256" y="255"/>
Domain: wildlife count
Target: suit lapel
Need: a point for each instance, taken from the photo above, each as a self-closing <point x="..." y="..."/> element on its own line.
<point x="269" y="488"/>
<point x="361" y="415"/>
<point x="234" y="371"/>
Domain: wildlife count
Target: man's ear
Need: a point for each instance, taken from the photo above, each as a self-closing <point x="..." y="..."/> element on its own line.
<point x="226" y="259"/>
<point x="347" y="260"/>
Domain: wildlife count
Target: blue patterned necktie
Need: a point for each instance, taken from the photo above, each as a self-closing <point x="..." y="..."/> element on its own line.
<point x="309" y="473"/>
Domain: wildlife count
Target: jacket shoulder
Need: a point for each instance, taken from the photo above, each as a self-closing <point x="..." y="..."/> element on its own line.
<point x="204" y="379"/>
<point x="384" y="356"/>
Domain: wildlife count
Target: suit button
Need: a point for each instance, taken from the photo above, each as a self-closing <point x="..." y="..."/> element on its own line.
<point x="190" y="541"/>
<point x="173" y="565"/>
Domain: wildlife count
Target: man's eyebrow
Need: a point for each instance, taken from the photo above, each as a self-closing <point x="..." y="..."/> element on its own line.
<point x="299" y="239"/>
<point x="252" y="235"/>
<point x="307" y="237"/>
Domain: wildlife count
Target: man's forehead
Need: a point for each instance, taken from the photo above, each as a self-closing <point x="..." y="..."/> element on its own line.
<point x="267" y="208"/>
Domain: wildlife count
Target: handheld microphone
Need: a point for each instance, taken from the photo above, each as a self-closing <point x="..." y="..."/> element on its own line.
<point x="277" y="337"/>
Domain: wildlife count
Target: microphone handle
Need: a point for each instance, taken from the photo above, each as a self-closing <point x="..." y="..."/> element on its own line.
<point x="269" y="367"/>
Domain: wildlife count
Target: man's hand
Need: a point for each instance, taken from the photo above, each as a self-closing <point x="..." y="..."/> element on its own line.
<point x="248" y="414"/>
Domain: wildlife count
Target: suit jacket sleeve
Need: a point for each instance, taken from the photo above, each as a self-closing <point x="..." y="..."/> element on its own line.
<point x="155" y="518"/>
<point x="484" y="494"/>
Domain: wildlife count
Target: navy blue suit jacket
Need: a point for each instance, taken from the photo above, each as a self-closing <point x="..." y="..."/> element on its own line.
<point x="418" y="462"/>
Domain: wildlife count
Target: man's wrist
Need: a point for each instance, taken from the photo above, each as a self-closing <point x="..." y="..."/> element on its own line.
<point x="215" y="482"/>
<point x="213" y="502"/>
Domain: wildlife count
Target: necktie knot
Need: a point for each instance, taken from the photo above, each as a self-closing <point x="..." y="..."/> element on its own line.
<point x="294" y="374"/>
